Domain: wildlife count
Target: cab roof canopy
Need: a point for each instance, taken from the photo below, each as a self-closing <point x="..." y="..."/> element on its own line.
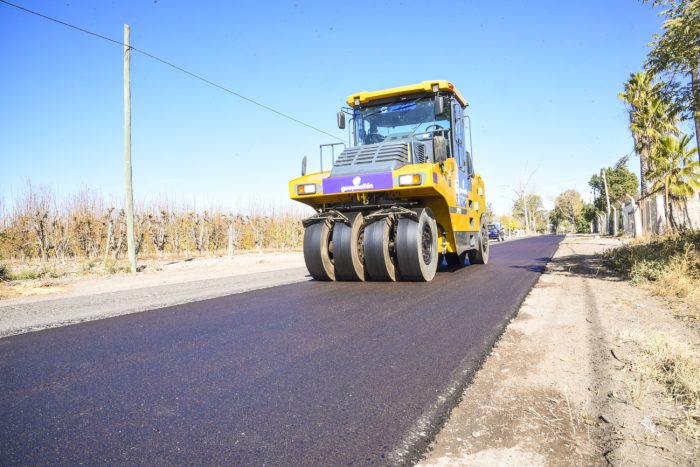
<point x="425" y="87"/>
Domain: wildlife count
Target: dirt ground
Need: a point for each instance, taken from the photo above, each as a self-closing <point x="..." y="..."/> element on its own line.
<point x="559" y="388"/>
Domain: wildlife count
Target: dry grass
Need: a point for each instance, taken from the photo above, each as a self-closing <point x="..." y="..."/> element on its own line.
<point x="680" y="276"/>
<point x="669" y="266"/>
<point x="675" y="367"/>
<point x="22" y="289"/>
<point x="637" y="389"/>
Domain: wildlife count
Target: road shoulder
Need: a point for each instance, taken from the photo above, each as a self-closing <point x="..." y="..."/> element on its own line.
<point x="561" y="386"/>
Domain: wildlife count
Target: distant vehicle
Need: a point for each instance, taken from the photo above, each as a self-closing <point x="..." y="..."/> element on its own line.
<point x="495" y="232"/>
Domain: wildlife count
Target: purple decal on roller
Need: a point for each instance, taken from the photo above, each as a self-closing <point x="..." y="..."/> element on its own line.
<point x="354" y="183"/>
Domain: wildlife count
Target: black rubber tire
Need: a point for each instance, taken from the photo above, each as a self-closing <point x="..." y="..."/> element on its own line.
<point x="379" y="262"/>
<point x="318" y="251"/>
<point x="417" y="247"/>
<point x="348" y="249"/>
<point x="453" y="259"/>
<point x="481" y="254"/>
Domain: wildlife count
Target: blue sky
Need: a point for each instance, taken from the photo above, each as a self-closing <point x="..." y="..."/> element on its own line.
<point x="541" y="77"/>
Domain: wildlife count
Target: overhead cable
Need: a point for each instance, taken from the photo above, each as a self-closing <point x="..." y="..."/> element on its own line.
<point x="172" y="65"/>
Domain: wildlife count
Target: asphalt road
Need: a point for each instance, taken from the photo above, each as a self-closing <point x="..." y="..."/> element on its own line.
<point x="310" y="373"/>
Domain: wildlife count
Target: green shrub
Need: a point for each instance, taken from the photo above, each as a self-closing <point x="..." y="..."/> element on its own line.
<point x="28" y="274"/>
<point x="4" y="273"/>
<point x="25" y="274"/>
<point x="648" y="262"/>
<point x="116" y="268"/>
<point x="647" y="270"/>
<point x="51" y="273"/>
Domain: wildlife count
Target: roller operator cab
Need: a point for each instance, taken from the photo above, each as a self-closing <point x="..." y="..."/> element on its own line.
<point x="403" y="196"/>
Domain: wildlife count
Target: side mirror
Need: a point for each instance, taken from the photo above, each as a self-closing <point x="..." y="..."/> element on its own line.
<point x="341" y="120"/>
<point x="303" y="166"/>
<point x="439" y="105"/>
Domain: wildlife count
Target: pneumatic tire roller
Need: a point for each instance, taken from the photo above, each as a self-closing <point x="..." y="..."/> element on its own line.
<point x="403" y="197"/>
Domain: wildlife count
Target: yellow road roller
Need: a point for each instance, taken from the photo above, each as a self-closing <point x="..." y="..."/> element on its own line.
<point x="402" y="196"/>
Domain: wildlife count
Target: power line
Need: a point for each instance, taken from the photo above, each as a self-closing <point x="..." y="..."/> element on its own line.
<point x="172" y="65"/>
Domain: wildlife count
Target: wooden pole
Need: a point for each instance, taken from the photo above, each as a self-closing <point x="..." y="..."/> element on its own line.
<point x="131" y="240"/>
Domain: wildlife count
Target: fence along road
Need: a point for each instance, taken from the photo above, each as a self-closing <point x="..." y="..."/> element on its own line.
<point x="309" y="373"/>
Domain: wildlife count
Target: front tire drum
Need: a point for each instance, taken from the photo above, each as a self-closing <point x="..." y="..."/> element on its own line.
<point x="378" y="261"/>
<point x="348" y="249"/>
<point x="318" y="251"/>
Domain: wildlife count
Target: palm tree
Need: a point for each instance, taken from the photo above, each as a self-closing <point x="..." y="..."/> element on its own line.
<point x="675" y="172"/>
<point x="651" y="118"/>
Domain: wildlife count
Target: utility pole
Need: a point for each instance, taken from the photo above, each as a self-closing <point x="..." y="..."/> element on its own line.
<point x="131" y="240"/>
<point x="607" y="200"/>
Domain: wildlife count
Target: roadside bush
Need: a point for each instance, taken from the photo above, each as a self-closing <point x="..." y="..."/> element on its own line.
<point x="24" y="275"/>
<point x="650" y="261"/>
<point x="4" y="272"/>
<point x="114" y="267"/>
<point x="29" y="274"/>
<point x="669" y="265"/>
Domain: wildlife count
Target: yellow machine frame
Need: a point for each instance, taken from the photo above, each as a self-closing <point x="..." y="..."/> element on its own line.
<point x="438" y="181"/>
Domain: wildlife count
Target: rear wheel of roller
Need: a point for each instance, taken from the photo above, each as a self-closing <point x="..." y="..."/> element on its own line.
<point x="481" y="254"/>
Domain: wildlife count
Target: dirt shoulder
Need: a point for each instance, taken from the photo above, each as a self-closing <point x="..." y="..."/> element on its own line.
<point x="73" y="301"/>
<point x="567" y="382"/>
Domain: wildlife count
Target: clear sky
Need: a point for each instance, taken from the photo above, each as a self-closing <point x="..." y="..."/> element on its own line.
<point x="542" y="79"/>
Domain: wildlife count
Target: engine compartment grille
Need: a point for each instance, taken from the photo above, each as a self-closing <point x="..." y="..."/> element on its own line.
<point x="374" y="153"/>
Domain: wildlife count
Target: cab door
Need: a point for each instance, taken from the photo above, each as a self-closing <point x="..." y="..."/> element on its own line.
<point x="458" y="143"/>
<point x="463" y="181"/>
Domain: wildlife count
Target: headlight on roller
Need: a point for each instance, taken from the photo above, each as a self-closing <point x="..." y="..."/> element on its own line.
<point x="308" y="189"/>
<point x="409" y="180"/>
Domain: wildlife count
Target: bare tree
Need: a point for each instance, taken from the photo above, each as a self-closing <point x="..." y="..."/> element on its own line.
<point x="40" y="226"/>
<point x="159" y="230"/>
<point x="61" y="237"/>
<point x="259" y="224"/>
<point x="199" y="230"/>
<point x="141" y="227"/>
<point x="39" y="205"/>
<point x="120" y="238"/>
<point x="109" y="223"/>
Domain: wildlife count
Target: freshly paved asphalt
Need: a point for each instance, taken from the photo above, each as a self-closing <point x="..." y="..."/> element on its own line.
<point x="310" y="373"/>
